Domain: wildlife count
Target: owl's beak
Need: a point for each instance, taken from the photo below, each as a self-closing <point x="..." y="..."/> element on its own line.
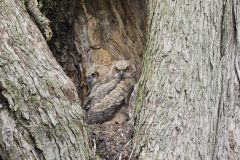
<point x="121" y="74"/>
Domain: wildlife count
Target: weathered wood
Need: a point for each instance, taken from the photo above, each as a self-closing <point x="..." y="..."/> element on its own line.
<point x="40" y="113"/>
<point x="109" y="30"/>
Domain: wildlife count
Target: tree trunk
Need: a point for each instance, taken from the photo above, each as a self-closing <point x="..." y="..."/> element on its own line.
<point x="40" y="113"/>
<point x="188" y="97"/>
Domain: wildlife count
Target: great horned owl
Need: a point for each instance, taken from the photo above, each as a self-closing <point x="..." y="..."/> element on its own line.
<point x="99" y="83"/>
<point x="114" y="100"/>
<point x="96" y="74"/>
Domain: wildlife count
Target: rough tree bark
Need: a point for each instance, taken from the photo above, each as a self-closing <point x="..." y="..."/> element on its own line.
<point x="40" y="113"/>
<point x="188" y="96"/>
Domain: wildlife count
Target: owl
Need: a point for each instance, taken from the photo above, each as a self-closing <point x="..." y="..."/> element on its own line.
<point x="112" y="95"/>
<point x="96" y="74"/>
<point x="97" y="84"/>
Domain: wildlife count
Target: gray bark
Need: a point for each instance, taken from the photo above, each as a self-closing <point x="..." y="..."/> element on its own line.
<point x="188" y="96"/>
<point x="40" y="113"/>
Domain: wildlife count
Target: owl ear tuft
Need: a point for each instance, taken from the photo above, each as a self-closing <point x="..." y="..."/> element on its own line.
<point x="114" y="62"/>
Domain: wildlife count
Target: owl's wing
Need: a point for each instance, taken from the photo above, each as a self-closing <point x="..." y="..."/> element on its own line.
<point x="104" y="89"/>
<point x="105" y="109"/>
<point x="99" y="92"/>
<point x="105" y="115"/>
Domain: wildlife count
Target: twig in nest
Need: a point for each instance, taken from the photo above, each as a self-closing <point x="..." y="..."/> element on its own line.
<point x="94" y="149"/>
<point x="120" y="156"/>
<point x="130" y="155"/>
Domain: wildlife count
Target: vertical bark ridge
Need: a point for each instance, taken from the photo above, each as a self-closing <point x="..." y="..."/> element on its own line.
<point x="227" y="143"/>
<point x="222" y="52"/>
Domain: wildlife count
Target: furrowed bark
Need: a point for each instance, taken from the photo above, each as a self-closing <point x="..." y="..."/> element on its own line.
<point x="40" y="113"/>
<point x="188" y="97"/>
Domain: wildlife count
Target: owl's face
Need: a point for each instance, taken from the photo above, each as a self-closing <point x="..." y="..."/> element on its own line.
<point x="96" y="74"/>
<point x="92" y="78"/>
<point x="121" y="69"/>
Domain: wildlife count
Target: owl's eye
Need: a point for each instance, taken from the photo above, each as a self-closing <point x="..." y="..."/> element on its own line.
<point x="117" y="69"/>
<point x="126" y="69"/>
<point x="95" y="74"/>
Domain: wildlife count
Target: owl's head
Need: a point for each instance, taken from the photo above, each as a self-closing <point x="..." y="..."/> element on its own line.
<point x="96" y="74"/>
<point x="122" y="69"/>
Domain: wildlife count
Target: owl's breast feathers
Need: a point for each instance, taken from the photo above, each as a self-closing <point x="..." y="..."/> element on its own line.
<point x="105" y="107"/>
<point x="99" y="92"/>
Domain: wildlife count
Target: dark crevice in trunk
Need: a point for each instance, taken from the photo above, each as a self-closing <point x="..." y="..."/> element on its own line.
<point x="5" y="104"/>
<point x="84" y="32"/>
<point x="222" y="31"/>
<point x="234" y="20"/>
<point x="235" y="35"/>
